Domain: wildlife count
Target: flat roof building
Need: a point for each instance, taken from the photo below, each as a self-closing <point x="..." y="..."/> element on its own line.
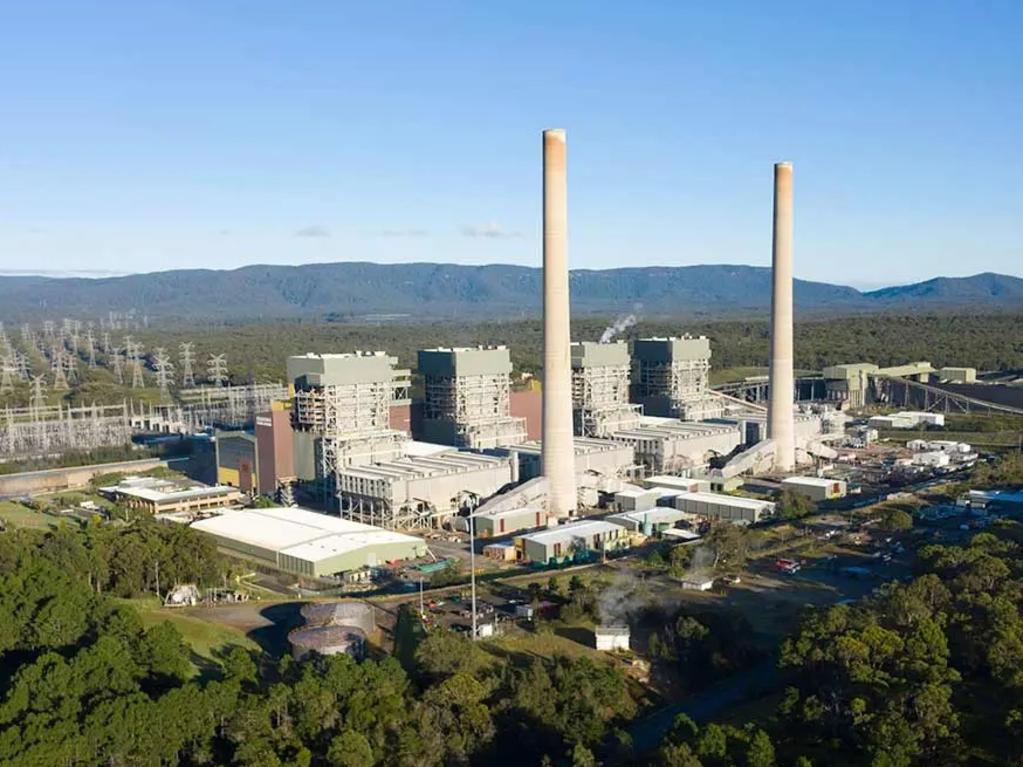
<point x="636" y="499"/>
<point x="816" y="488"/>
<point x="650" y="522"/>
<point x="164" y="496"/>
<point x="508" y="521"/>
<point x="307" y="543"/>
<point x="575" y="540"/>
<point x="725" y="507"/>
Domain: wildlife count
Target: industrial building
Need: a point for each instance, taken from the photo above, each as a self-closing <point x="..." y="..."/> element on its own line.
<point x="636" y="499"/>
<point x="508" y="521"/>
<point x="342" y="411"/>
<point x="420" y="491"/>
<point x="237" y="459"/>
<point x="958" y="375"/>
<point x="467" y="398"/>
<point x="725" y="507"/>
<point x="668" y="445"/>
<point x="275" y="448"/>
<point x="854" y="385"/>
<point x="959" y="450"/>
<point x="669" y="482"/>
<point x="906" y="419"/>
<point x="527" y="403"/>
<point x="816" y="488"/>
<point x="599" y="464"/>
<point x="570" y="541"/>
<point x="600" y="389"/>
<point x="670" y="378"/>
<point x="259" y="460"/>
<point x="164" y="496"/>
<point x="933" y="459"/>
<point x="307" y="543"/>
<point x="1007" y="500"/>
<point x="651" y="521"/>
<point x="611" y="638"/>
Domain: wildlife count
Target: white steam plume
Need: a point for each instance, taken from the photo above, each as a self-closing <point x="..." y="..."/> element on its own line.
<point x="619" y="326"/>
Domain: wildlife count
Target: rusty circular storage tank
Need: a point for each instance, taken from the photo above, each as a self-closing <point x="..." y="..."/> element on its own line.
<point x="327" y="640"/>
<point x="357" y="614"/>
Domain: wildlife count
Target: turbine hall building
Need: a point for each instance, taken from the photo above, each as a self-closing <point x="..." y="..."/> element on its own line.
<point x="420" y="491"/>
<point x="666" y="445"/>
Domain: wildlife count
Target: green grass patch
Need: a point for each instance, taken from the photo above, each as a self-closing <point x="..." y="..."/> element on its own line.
<point x="207" y="640"/>
<point x="14" y="514"/>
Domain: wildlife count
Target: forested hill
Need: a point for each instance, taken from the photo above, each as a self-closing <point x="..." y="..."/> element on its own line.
<point x="358" y="289"/>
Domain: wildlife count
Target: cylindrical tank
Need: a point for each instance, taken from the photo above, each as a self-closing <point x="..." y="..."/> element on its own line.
<point x="358" y="614"/>
<point x="327" y="640"/>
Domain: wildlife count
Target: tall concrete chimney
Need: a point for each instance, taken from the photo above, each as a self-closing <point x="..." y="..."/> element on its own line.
<point x="558" y="445"/>
<point x="781" y="424"/>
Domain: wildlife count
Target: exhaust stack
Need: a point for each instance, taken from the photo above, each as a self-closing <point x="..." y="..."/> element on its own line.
<point x="558" y="445"/>
<point x="780" y="416"/>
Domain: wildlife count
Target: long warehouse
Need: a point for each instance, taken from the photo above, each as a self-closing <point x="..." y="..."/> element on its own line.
<point x="306" y="542"/>
<point x="727" y="507"/>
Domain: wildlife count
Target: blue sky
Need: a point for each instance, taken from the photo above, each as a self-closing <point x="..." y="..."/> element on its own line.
<point x="157" y="135"/>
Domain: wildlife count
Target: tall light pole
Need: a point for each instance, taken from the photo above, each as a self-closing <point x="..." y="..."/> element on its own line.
<point x="472" y="569"/>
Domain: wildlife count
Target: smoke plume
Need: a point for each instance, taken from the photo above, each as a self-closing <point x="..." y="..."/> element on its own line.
<point x="615" y="601"/>
<point x="618" y="326"/>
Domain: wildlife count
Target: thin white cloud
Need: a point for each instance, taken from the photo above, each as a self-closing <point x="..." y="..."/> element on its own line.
<point x="313" y="230"/>
<point x="492" y="230"/>
<point x="404" y="233"/>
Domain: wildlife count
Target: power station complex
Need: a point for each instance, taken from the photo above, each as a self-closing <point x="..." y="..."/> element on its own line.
<point x="607" y="414"/>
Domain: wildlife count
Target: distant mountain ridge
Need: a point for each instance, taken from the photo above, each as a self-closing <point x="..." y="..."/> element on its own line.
<point x="451" y="291"/>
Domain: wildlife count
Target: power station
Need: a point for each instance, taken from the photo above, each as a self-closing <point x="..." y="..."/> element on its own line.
<point x="610" y="414"/>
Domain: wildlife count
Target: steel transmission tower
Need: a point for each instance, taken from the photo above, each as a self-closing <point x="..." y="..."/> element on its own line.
<point x="187" y="358"/>
<point x="164" y="369"/>
<point x="217" y="369"/>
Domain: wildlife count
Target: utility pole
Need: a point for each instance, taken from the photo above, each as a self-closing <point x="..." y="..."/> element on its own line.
<point x="472" y="570"/>
<point x="156" y="567"/>
<point x="422" y="607"/>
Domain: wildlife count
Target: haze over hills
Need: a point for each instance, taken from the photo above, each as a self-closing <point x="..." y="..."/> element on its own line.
<point x="438" y="291"/>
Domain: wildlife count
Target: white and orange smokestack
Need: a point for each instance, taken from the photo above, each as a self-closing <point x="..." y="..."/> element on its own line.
<point x="781" y="424"/>
<point x="558" y="444"/>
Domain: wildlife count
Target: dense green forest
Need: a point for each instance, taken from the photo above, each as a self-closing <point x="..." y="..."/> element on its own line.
<point x="987" y="342"/>
<point x="923" y="672"/>
<point x="258" y="352"/>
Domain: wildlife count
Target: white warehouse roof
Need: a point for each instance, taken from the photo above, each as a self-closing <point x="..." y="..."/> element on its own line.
<point x="298" y="533"/>
<point x="585" y="528"/>
<point x="810" y="481"/>
<point x="726" y="500"/>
